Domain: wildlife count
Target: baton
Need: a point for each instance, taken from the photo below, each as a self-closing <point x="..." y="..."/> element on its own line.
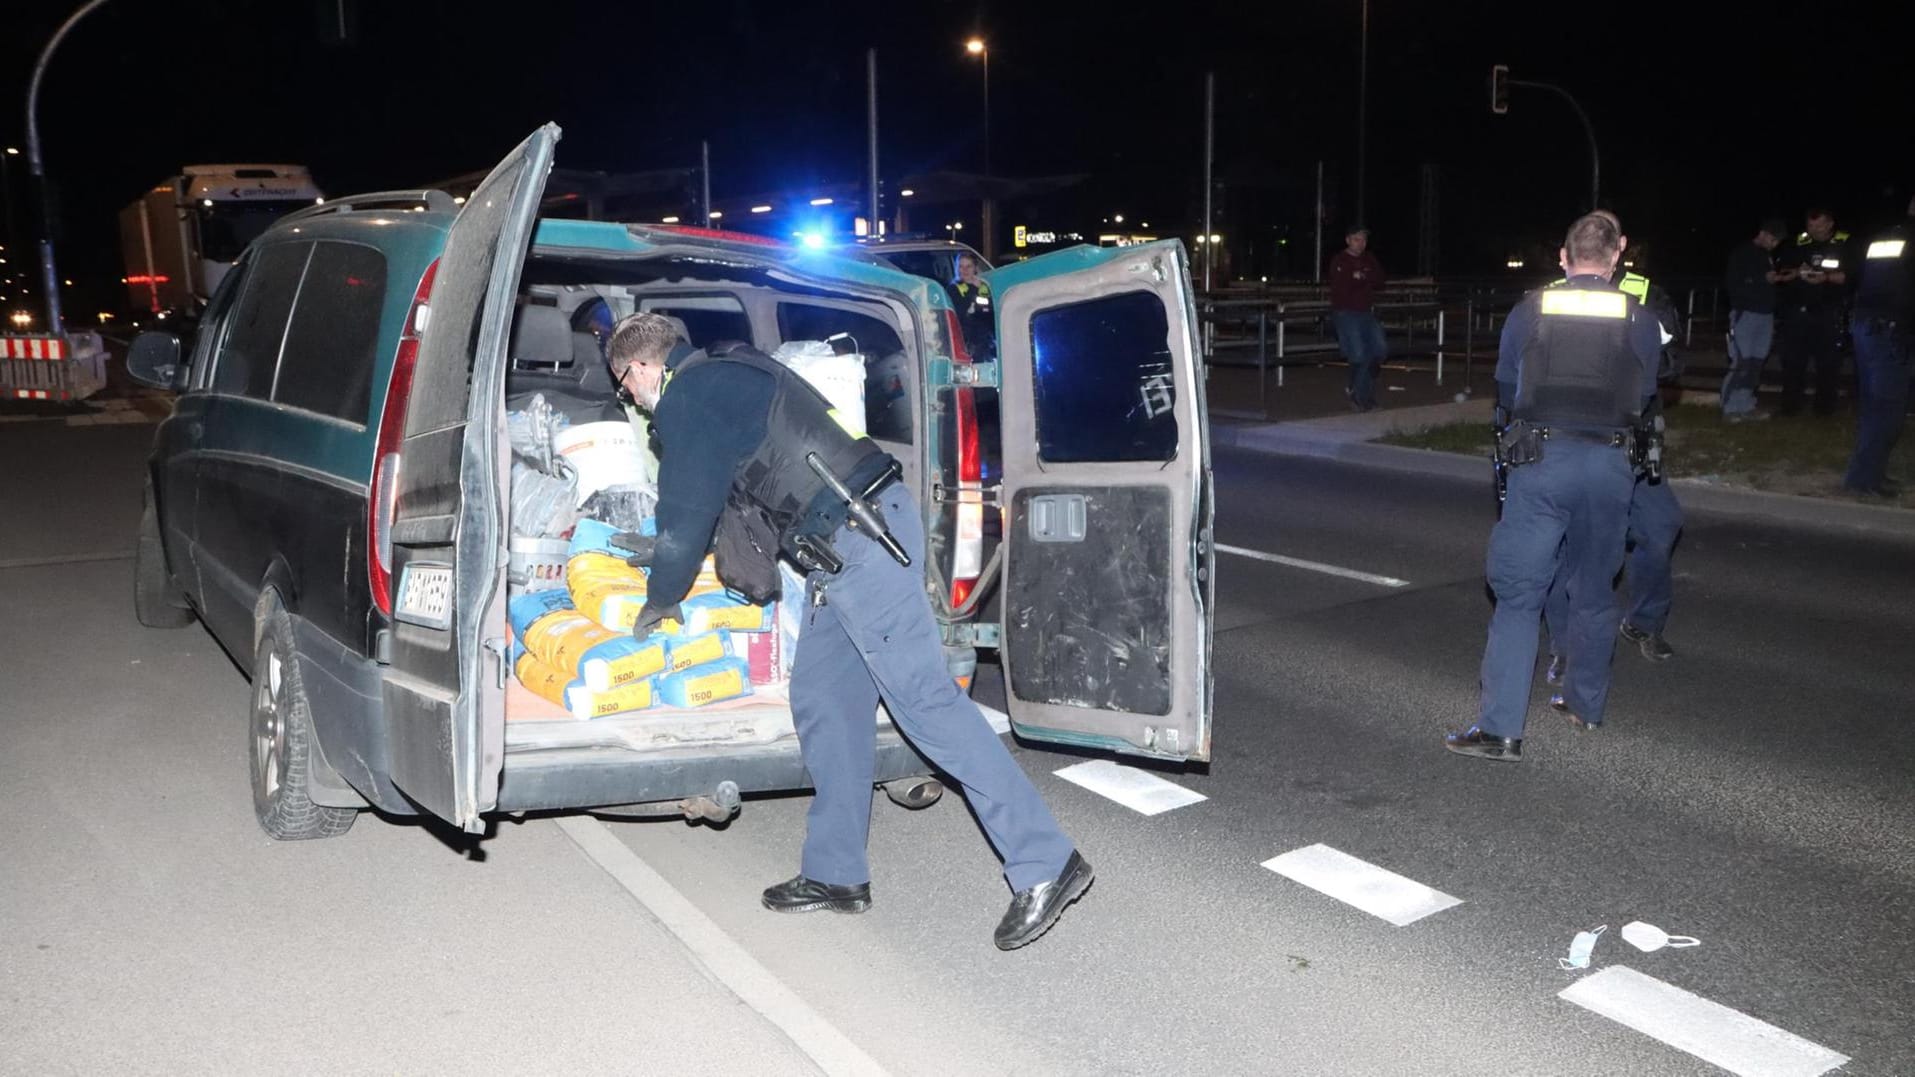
<point x="861" y="513"/>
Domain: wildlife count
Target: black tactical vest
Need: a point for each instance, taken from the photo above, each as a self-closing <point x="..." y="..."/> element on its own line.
<point x="1886" y="289"/>
<point x="1578" y="369"/>
<point x="800" y="421"/>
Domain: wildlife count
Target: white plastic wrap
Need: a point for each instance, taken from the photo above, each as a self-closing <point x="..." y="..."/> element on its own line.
<point x="839" y="377"/>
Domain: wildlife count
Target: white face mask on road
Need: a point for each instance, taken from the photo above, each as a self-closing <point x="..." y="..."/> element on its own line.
<point x="1649" y="938"/>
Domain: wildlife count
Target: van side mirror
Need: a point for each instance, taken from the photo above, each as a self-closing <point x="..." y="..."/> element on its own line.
<point x="154" y="360"/>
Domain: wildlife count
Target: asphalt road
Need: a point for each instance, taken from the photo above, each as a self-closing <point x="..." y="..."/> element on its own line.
<point x="1753" y="793"/>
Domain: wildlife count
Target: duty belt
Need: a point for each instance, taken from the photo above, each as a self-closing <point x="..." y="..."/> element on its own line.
<point x="1612" y="438"/>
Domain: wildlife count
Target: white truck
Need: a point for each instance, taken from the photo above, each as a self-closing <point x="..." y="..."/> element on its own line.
<point x="180" y="237"/>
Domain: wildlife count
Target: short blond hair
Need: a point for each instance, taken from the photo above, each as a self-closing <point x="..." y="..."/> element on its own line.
<point x="640" y="338"/>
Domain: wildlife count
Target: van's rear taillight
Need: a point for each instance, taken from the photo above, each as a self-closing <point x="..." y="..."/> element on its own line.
<point x="967" y="545"/>
<point x="392" y="429"/>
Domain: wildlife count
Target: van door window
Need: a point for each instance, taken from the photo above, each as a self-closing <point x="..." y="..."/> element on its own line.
<point x="250" y="352"/>
<point x="1104" y="379"/>
<point x="212" y="325"/>
<point x="887" y="397"/>
<point x="326" y="364"/>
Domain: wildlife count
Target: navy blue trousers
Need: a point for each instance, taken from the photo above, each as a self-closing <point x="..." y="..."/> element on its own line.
<point x="1883" y="352"/>
<point x="875" y="636"/>
<point x="1568" y="511"/>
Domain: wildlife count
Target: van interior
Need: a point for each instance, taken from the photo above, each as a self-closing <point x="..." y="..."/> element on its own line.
<point x="567" y="299"/>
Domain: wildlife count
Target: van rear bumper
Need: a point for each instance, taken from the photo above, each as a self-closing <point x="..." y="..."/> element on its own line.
<point x="596" y="777"/>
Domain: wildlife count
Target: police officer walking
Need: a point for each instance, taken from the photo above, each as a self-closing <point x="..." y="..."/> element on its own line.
<point x="742" y="437"/>
<point x="1884" y="331"/>
<point x="1814" y="275"/>
<point x="1586" y="358"/>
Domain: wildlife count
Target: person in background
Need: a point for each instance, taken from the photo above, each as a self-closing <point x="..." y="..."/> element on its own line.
<point x="1355" y="276"/>
<point x="1884" y="328"/>
<point x="971" y="295"/>
<point x="1814" y="279"/>
<point x="1750" y="279"/>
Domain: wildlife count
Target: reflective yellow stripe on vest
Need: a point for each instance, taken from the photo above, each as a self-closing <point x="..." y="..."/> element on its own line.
<point x="1577" y="303"/>
<point x="1886" y="248"/>
<point x="845" y="426"/>
<point x="1636" y="285"/>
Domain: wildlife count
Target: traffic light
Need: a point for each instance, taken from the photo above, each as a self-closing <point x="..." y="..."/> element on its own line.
<point x="1499" y="89"/>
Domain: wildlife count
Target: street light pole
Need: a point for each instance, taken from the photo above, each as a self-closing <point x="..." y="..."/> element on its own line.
<point x="1589" y="132"/>
<point x="1363" y="111"/>
<point x="980" y="49"/>
<point x="49" y="276"/>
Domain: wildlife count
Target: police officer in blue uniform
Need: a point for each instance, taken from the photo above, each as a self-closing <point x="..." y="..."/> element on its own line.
<point x="1585" y="357"/>
<point x="737" y="432"/>
<point x="1883" y="327"/>
<point x="1814" y="275"/>
<point x="971" y="295"/>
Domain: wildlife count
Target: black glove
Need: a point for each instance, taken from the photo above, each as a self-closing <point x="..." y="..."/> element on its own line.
<point x="643" y="547"/>
<point x="650" y="616"/>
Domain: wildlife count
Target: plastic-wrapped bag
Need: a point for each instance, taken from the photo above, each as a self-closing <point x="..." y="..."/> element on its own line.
<point x="688" y="651"/>
<point x="553" y="686"/>
<point x="604" y="455"/>
<point x="531" y="431"/>
<point x="622" y="507"/>
<point x="546" y="624"/>
<point x="727" y="678"/>
<point x="839" y="377"/>
<point x="541" y="503"/>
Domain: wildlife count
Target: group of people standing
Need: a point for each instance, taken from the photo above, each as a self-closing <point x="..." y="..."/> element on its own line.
<point x="1809" y="294"/>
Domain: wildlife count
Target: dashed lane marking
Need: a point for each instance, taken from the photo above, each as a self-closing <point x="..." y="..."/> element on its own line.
<point x="1314" y="566"/>
<point x="1138" y="790"/>
<point x="1708" y="1030"/>
<point x="728" y="961"/>
<point x="1378" y="891"/>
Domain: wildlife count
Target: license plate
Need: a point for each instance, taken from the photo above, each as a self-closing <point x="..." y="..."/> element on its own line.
<point x="425" y="595"/>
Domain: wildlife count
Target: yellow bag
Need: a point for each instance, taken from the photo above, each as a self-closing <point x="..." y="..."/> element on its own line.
<point x="584" y="703"/>
<point x="689" y="651"/>
<point x="727" y="678"/>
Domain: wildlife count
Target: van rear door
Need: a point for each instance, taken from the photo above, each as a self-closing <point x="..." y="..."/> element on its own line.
<point x="444" y="693"/>
<point x="1108" y="575"/>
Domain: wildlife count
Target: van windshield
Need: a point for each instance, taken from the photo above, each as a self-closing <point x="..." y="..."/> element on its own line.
<point x="226" y="227"/>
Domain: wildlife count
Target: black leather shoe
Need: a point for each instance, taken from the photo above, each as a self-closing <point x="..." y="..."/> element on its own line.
<point x="1554" y="674"/>
<point x="1473" y="741"/>
<point x="1652" y="645"/>
<point x="799" y="894"/>
<point x="1033" y="911"/>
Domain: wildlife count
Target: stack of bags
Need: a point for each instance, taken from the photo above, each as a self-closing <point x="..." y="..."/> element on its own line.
<point x="574" y="647"/>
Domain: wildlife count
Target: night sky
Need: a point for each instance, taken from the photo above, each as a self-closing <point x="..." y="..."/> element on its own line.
<point x="1705" y="121"/>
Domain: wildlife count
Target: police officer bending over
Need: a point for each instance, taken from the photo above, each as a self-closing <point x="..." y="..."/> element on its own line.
<point x="744" y="438"/>
<point x="1588" y="357"/>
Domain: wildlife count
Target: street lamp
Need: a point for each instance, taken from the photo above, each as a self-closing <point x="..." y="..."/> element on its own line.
<point x="976" y="47"/>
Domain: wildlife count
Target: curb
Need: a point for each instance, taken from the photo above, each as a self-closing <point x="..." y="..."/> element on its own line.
<point x="1825" y="514"/>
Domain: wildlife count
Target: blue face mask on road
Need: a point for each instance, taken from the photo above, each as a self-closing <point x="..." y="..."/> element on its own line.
<point x="1583" y="945"/>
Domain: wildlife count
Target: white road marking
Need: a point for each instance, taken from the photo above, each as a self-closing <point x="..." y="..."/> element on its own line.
<point x="1708" y="1030"/>
<point x="1377" y="891"/>
<point x="1314" y="566"/>
<point x="69" y="559"/>
<point x="1138" y="790"/>
<point x="719" y="953"/>
<point x="1000" y="722"/>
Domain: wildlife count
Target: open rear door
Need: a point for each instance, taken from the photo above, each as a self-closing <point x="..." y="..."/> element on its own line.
<point x="1107" y="498"/>
<point x="444" y="691"/>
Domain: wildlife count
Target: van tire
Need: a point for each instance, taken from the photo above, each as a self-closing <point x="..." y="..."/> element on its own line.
<point x="279" y="742"/>
<point x="157" y="601"/>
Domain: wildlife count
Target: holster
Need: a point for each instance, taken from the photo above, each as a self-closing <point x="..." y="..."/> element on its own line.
<point x="1520" y="443"/>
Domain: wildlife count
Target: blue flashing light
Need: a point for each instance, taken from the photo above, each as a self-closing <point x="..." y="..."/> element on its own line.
<point x="812" y="240"/>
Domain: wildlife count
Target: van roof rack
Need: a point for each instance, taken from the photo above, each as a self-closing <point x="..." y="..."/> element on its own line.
<point x="432" y="200"/>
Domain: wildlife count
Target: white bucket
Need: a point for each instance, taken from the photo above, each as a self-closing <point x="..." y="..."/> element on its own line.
<point x="601" y="455"/>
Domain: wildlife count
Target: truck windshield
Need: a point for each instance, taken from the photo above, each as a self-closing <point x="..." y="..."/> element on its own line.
<point x="226" y="227"/>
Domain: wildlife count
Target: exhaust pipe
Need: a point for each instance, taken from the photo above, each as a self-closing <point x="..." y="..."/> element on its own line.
<point x="914" y="793"/>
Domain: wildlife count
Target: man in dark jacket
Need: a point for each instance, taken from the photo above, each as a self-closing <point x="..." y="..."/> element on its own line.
<point x="1814" y="281"/>
<point x="1355" y="277"/>
<point x="1750" y="279"/>
<point x="739" y="427"/>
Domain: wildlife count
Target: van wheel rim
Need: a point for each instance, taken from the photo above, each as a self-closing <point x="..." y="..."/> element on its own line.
<point x="269" y="729"/>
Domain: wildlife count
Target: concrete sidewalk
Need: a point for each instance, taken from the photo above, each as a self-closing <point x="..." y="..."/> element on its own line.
<point x="1350" y="438"/>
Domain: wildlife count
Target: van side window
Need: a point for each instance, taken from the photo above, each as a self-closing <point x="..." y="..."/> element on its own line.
<point x="326" y="365"/>
<point x="250" y="352"/>
<point x="708" y="319"/>
<point x="887" y="397"/>
<point x="1104" y="380"/>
